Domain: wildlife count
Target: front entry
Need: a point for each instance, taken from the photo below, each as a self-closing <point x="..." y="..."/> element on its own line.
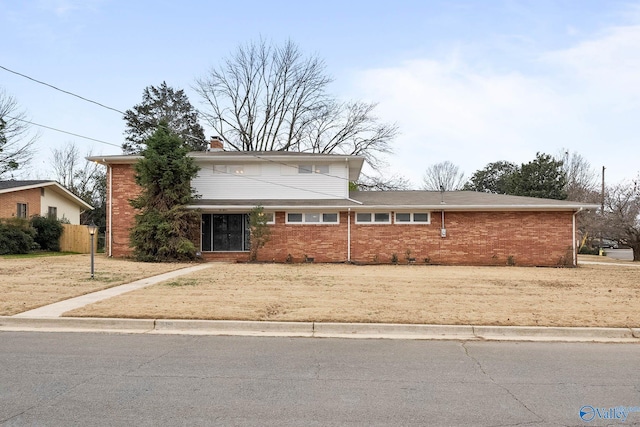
<point x="225" y="232"/>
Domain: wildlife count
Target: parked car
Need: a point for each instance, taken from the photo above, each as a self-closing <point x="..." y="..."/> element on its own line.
<point x="605" y="243"/>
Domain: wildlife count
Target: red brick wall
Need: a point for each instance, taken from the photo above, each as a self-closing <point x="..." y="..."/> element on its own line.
<point x="323" y="242"/>
<point x="124" y="189"/>
<point x="9" y="201"/>
<point x="473" y="238"/>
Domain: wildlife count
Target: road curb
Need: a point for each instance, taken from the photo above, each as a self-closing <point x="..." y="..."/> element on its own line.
<point x="233" y="327"/>
<point x="79" y="324"/>
<point x="321" y="329"/>
<point x="393" y="330"/>
<point x="547" y="333"/>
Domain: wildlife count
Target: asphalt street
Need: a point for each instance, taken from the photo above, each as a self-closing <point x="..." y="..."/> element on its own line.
<point x="623" y="254"/>
<point x="81" y="379"/>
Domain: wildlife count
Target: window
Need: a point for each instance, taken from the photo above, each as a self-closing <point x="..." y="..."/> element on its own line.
<point x="229" y="169"/>
<point x="322" y="169"/>
<point x="373" y="218"/>
<point x="294" y="217"/>
<point x="403" y="217"/>
<point x="52" y="212"/>
<point x="271" y="217"/>
<point x="312" y="218"/>
<point x="22" y="210"/>
<point x="412" y="218"/>
<point x="330" y="217"/>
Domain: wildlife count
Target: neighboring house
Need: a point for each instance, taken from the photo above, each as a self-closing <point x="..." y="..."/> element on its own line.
<point x="24" y="199"/>
<point x="313" y="215"/>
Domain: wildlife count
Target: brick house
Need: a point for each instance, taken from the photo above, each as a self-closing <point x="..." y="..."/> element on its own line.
<point x="23" y="199"/>
<point x="313" y="215"/>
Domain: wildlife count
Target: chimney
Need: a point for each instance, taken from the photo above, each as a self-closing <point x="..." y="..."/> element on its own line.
<point x="216" y="144"/>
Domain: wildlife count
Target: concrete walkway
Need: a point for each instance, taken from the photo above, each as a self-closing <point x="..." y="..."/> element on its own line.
<point x="58" y="308"/>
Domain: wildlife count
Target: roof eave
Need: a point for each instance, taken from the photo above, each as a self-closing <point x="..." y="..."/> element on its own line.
<point x="457" y="208"/>
<point x="62" y="189"/>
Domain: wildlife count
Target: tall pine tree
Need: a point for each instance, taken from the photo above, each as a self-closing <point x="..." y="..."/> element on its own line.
<point x="163" y="225"/>
<point x="163" y="103"/>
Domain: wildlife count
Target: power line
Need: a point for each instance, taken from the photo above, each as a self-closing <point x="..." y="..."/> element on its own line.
<point x="246" y="153"/>
<point x="279" y="184"/>
<point x="62" y="90"/>
<point x="63" y="131"/>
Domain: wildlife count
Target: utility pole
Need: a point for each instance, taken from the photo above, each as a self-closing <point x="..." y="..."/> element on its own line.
<point x="602" y="194"/>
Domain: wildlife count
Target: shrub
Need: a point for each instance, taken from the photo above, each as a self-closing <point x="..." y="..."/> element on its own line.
<point x="48" y="232"/>
<point x="16" y="236"/>
<point x="585" y="250"/>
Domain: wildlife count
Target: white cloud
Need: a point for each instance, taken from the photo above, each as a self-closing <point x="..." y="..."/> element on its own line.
<point x="585" y="99"/>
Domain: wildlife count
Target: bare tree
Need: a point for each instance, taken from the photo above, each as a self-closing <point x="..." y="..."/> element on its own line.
<point x="85" y="179"/>
<point x="621" y="218"/>
<point x="581" y="183"/>
<point x="272" y="98"/>
<point x="381" y="182"/>
<point x="444" y="176"/>
<point x="16" y="139"/>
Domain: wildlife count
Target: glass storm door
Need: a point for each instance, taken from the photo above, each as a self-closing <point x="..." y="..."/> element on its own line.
<point x="225" y="232"/>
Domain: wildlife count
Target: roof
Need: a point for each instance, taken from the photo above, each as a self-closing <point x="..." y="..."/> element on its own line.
<point x="4" y="185"/>
<point x="398" y="200"/>
<point x="285" y="157"/>
<point x="463" y="200"/>
<point x="10" y="186"/>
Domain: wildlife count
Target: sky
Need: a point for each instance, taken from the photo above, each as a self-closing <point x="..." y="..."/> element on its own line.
<point x="470" y="82"/>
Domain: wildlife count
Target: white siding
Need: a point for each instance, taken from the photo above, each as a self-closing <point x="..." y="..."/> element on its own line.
<point x="66" y="208"/>
<point x="272" y="181"/>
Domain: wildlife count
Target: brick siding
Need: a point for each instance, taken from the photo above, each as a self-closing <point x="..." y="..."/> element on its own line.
<point x="473" y="238"/>
<point x="124" y="189"/>
<point x="9" y="201"/>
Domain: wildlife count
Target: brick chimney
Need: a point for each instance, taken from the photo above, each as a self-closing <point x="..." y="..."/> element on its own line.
<point x="216" y="144"/>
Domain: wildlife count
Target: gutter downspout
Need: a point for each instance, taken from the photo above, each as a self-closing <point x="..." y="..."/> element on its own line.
<point x="573" y="238"/>
<point x="110" y="207"/>
<point x="349" y="235"/>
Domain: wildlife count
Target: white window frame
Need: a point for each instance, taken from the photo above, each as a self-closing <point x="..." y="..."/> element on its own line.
<point x="272" y="215"/>
<point x="412" y="218"/>
<point x="373" y="218"/>
<point x="321" y="219"/>
<point x="229" y="169"/>
<point x="308" y="168"/>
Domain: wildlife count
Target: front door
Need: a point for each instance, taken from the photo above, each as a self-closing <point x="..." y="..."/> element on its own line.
<point x="225" y="232"/>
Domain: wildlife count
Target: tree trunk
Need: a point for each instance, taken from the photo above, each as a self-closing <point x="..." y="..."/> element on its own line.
<point x="636" y="252"/>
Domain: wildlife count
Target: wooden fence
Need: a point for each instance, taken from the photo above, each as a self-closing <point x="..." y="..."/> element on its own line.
<point x="76" y="238"/>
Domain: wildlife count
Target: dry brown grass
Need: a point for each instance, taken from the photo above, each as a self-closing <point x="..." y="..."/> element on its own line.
<point x="27" y="283"/>
<point x="592" y="295"/>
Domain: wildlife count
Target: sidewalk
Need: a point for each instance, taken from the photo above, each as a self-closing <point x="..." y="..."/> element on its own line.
<point x="48" y="319"/>
<point x="58" y="308"/>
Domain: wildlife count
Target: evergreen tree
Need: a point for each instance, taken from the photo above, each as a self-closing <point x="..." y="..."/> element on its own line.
<point x="542" y="177"/>
<point x="163" y="103"/>
<point x="494" y="178"/>
<point x="163" y="225"/>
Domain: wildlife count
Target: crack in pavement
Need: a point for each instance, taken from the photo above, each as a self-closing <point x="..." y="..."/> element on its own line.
<point x="493" y="381"/>
<point x="51" y="399"/>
